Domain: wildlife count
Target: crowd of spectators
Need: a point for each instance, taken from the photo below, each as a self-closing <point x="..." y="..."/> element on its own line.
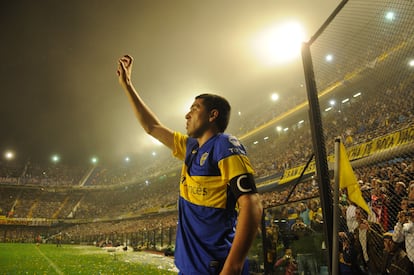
<point x="357" y="122"/>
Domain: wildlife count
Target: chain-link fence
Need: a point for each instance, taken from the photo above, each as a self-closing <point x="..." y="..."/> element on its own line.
<point x="363" y="65"/>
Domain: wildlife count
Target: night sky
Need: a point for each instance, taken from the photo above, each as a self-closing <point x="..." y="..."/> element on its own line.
<point x="59" y="89"/>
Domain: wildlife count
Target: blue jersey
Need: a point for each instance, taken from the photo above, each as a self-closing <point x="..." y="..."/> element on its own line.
<point x="207" y="205"/>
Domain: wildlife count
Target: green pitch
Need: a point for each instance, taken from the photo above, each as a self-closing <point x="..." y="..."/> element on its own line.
<point x="73" y="259"/>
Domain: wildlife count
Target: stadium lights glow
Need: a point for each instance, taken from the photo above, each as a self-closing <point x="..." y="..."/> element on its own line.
<point x="274" y="97"/>
<point x="94" y="160"/>
<point x="55" y="158"/>
<point x="9" y="155"/>
<point x="345" y="100"/>
<point x="153" y="154"/>
<point x="127" y="159"/>
<point x="328" y="109"/>
<point x="280" y="43"/>
<point x="332" y="102"/>
<point x="411" y="63"/>
<point x="329" y="57"/>
<point x="239" y="113"/>
<point x="279" y="128"/>
<point x="357" y="94"/>
<point x="390" y="16"/>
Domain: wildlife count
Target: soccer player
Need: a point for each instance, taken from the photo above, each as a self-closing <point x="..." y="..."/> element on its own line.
<point x="219" y="208"/>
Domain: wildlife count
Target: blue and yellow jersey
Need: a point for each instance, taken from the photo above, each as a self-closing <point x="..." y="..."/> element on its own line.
<point x="207" y="203"/>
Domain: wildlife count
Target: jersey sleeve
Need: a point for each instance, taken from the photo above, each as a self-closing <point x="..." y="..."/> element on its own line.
<point x="235" y="167"/>
<point x="180" y="142"/>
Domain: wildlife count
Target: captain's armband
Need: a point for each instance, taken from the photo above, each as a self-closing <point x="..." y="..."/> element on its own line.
<point x="243" y="184"/>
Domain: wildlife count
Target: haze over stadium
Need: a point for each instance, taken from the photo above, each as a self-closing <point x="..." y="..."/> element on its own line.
<point x="67" y="107"/>
<point x="60" y="94"/>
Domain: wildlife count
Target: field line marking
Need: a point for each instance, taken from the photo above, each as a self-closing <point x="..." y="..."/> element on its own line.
<point x="55" y="267"/>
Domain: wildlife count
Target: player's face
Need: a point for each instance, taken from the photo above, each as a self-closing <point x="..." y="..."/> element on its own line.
<point x="197" y="119"/>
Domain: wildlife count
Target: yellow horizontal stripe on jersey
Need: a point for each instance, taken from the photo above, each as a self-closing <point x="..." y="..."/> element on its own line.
<point x="209" y="191"/>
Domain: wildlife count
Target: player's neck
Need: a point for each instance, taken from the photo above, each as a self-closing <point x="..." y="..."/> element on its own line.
<point x="206" y="136"/>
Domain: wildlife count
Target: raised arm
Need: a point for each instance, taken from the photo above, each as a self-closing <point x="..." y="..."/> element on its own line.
<point x="148" y="120"/>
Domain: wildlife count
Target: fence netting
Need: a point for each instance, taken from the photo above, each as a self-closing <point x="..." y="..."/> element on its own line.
<point x="363" y="63"/>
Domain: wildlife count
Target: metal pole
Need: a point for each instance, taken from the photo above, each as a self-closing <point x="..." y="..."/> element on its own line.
<point x="318" y="140"/>
<point x="335" y="245"/>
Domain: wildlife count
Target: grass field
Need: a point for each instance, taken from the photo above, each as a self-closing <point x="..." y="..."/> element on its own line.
<point x="73" y="259"/>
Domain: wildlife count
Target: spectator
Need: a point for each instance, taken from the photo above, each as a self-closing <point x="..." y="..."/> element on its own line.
<point x="404" y="230"/>
<point x="397" y="194"/>
<point x="395" y="259"/>
<point x="287" y="262"/>
<point x="351" y="220"/>
<point x="304" y="213"/>
<point x="368" y="242"/>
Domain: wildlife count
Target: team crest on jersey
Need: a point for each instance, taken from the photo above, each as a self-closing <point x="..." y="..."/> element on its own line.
<point x="233" y="140"/>
<point x="203" y="158"/>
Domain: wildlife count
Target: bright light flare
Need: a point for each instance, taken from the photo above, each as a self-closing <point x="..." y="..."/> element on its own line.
<point x="329" y="57"/>
<point x="9" y="155"/>
<point x="280" y="44"/>
<point x="55" y="158"/>
<point x="274" y="97"/>
<point x="390" y="16"/>
<point x="94" y="160"/>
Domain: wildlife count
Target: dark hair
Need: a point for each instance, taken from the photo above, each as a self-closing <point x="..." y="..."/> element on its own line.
<point x="211" y="102"/>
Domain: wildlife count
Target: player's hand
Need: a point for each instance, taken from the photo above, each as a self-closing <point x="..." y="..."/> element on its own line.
<point x="125" y="69"/>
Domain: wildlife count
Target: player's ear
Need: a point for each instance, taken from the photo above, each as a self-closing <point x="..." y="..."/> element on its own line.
<point x="213" y="115"/>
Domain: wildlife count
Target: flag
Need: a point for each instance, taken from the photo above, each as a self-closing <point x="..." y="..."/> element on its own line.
<point x="348" y="180"/>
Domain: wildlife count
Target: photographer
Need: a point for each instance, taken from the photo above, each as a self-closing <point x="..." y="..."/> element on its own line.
<point x="288" y="262"/>
<point x="404" y="230"/>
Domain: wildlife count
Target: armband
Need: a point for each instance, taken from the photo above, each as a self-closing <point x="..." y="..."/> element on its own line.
<point x="243" y="184"/>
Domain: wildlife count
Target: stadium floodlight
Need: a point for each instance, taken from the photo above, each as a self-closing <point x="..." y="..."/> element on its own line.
<point x="9" y="155"/>
<point x="279" y="43"/>
<point x="390" y="16"/>
<point x="55" y="158"/>
<point x="411" y="63"/>
<point x="332" y="102"/>
<point x="329" y="57"/>
<point x="94" y="160"/>
<point x="127" y="159"/>
<point x="274" y="97"/>
<point x="279" y="128"/>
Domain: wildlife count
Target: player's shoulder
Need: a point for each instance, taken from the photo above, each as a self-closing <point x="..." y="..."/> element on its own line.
<point x="228" y="139"/>
<point x="229" y="144"/>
